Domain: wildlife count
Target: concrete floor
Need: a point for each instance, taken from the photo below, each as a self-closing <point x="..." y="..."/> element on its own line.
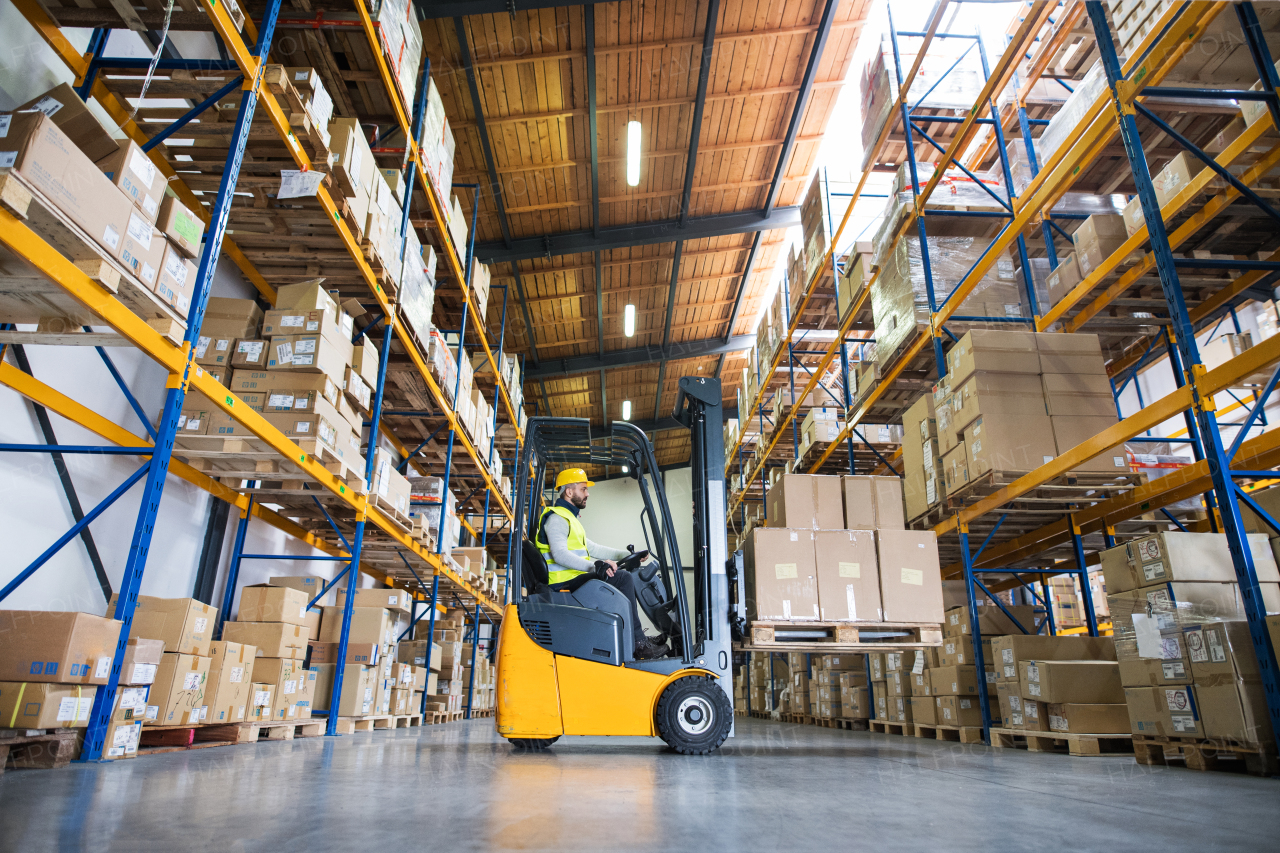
<point x="773" y="787"/>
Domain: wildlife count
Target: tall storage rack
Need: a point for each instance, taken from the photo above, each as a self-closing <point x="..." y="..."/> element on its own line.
<point x="1099" y="518"/>
<point x="338" y="519"/>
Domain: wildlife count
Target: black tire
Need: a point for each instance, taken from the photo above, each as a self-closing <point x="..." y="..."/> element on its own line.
<point x="694" y="715"/>
<point x="533" y="743"/>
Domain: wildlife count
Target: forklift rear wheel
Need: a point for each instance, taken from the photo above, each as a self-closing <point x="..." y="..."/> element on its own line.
<point x="694" y="715"/>
<point x="533" y="742"/>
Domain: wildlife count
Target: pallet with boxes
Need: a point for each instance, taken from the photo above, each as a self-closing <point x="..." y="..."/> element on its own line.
<point x="822" y="689"/>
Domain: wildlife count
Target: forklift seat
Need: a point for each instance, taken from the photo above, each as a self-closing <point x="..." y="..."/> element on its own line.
<point x="585" y="617"/>
<point x="537" y="577"/>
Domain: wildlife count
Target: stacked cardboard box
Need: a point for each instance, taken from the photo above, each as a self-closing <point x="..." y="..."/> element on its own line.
<point x="178" y="694"/>
<point x="275" y="623"/>
<point x="51" y="664"/>
<point x="1186" y="662"/>
<point x="112" y="192"/>
<point x="1020" y="706"/>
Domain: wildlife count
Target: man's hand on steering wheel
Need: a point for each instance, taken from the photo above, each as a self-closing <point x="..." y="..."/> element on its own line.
<point x="606" y="569"/>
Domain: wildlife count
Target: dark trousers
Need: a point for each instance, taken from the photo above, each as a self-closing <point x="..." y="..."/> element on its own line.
<point x="624" y="583"/>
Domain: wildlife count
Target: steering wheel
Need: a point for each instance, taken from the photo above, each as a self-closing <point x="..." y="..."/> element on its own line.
<point x="633" y="561"/>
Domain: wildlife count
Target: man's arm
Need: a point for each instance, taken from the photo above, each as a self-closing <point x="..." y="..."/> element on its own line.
<point x="557" y="533"/>
<point x="604" y="552"/>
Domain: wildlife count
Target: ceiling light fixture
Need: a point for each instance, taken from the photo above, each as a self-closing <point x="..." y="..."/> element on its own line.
<point x="626" y="410"/>
<point x="633" y="153"/>
<point x="629" y="321"/>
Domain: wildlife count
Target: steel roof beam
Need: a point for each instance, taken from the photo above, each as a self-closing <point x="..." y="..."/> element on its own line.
<point x="742" y="288"/>
<point x="695" y="132"/>
<point x="639" y="355"/>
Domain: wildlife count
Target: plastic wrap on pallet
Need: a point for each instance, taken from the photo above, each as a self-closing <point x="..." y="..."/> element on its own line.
<point x="821" y="212"/>
<point x="877" y="101"/>
<point x="442" y="363"/>
<point x="1072" y="112"/>
<point x="1040" y="278"/>
<point x="401" y="38"/>
<point x="1082" y="204"/>
<point x="955" y="190"/>
<point x="900" y="302"/>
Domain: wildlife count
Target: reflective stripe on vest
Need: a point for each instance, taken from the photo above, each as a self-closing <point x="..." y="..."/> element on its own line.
<point x="577" y="544"/>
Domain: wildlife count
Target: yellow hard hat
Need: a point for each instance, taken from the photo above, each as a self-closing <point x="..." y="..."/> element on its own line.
<point x="572" y="475"/>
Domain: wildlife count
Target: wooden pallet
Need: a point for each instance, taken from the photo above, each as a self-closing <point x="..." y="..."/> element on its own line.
<point x="39" y="748"/>
<point x="841" y="637"/>
<point x="249" y="458"/>
<point x="851" y="725"/>
<point x="254" y="732"/>
<point x="158" y="739"/>
<point x="350" y="725"/>
<point x="885" y="727"/>
<point x="1203" y="754"/>
<point x="28" y="296"/>
<point x="1069" y="743"/>
<point x="955" y="734"/>
<point x="394" y="515"/>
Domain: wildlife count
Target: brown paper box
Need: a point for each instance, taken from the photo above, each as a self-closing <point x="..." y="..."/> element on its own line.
<point x="35" y="705"/>
<point x="74" y="119"/>
<point x="991" y="620"/>
<point x="996" y="394"/>
<point x="230" y="682"/>
<point x="267" y="603"/>
<point x="910" y="577"/>
<point x="141" y="657"/>
<point x="368" y="625"/>
<point x="1079" y="682"/>
<point x="182" y="227"/>
<point x="178" y="695"/>
<point x="1089" y="719"/>
<point x="848" y="582"/>
<point x="1064" y="278"/>
<point x="1070" y="432"/>
<point x="994" y="351"/>
<point x="781" y="575"/>
<point x="958" y="710"/>
<point x="954" y="681"/>
<point x="1078" y="394"/>
<point x="1070" y="353"/>
<point x="805" y="500"/>
<point x="1169" y="711"/>
<point x="873" y="503"/>
<point x="366" y="654"/>
<point x="271" y="639"/>
<point x="184" y="624"/>
<point x="136" y="176"/>
<point x="1002" y="442"/>
<point x="1007" y="651"/>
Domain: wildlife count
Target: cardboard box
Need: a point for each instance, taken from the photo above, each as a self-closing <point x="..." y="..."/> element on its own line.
<point x="992" y="351"/>
<point x="309" y="584"/>
<point x="131" y="703"/>
<point x="1070" y="353"/>
<point x="954" y="681"/>
<point x="1078" y="394"/>
<point x="958" y="710"/>
<point x="267" y="603"/>
<point x="238" y="318"/>
<point x="35" y="148"/>
<point x="1167" y="711"/>
<point x="263" y="699"/>
<point x="1008" y="650"/>
<point x="1010" y="702"/>
<point x="270" y="639"/>
<point x="814" y="501"/>
<point x="991" y="620"/>
<point x="1084" y="682"/>
<point x="142" y="249"/>
<point x="1097" y="238"/>
<point x="359" y="686"/>
<point x="848" y="582"/>
<point x="1063" y="279"/>
<point x="230" y="682"/>
<point x="122" y="740"/>
<point x="416" y="652"/>
<point x="996" y="394"/>
<point x="364" y="360"/>
<point x="872" y="503"/>
<point x="923" y="711"/>
<point x="250" y="354"/>
<point x="36" y="705"/>
<point x="308" y="353"/>
<point x="955" y="468"/>
<point x="366" y="654"/>
<point x="781" y="574"/>
<point x="323" y="423"/>
<point x="141" y="658"/>
<point x="1228" y="684"/>
<point x="304" y="702"/>
<point x="132" y="171"/>
<point x="184" y="624"/>
<point x="1001" y="442"/>
<point x="368" y="625"/>
<point x="184" y="229"/>
<point x="284" y="675"/>
<point x="1070" y="432"/>
<point x="337" y="329"/>
<point x="391" y="599"/>
<point x="1178" y="557"/>
<point x="1089" y="719"/>
<point x="1035" y="715"/>
<point x="910" y="577"/>
<point x="68" y="111"/>
<point x="178" y="695"/>
<point x="176" y="280"/>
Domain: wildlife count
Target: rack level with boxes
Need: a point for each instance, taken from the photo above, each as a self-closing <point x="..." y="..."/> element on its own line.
<point x="282" y="120"/>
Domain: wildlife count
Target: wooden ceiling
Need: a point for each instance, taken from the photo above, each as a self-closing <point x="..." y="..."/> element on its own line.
<point x="531" y="75"/>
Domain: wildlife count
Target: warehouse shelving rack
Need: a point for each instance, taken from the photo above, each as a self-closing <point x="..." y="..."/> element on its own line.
<point x="366" y="523"/>
<point x="1098" y="513"/>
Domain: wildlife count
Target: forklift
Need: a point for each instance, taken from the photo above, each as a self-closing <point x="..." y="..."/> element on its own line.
<point x="564" y="659"/>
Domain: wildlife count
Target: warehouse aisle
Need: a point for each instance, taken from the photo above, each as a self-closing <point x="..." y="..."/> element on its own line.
<point x="776" y="787"/>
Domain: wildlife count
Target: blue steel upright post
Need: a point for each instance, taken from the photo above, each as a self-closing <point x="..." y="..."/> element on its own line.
<point x="158" y="468"/>
<point x="1185" y="340"/>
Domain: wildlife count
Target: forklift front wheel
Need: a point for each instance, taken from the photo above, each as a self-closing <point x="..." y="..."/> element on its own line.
<point x="533" y="743"/>
<point x="694" y="715"/>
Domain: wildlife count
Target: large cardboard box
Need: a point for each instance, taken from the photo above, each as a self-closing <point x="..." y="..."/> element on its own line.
<point x="416" y="652"/>
<point x="923" y="711"/>
<point x="1003" y="442"/>
<point x="368" y="625"/>
<point x="136" y="176"/>
<point x="122" y="740"/>
<point x="141" y="658"/>
<point x="359" y="688"/>
<point x="260" y="705"/>
<point x="1070" y="432"/>
<point x="142" y="248"/>
<point x="994" y="351"/>
<point x="37" y="149"/>
<point x="178" y="695"/>
<point x="285" y="676"/>
<point x="309" y="584"/>
<point x="1089" y="719"/>
<point x="1078" y="394"/>
<point x="1008" y="650"/>
<point x="958" y="710"/>
<point x="1178" y="557"/>
<point x="995" y="394"/>
<point x="335" y="328"/>
<point x="238" y="318"/>
<point x="69" y="112"/>
<point x="391" y="599"/>
<point x="806" y="500"/>
<point x="1228" y="683"/>
<point x="35" y="705"/>
<point x="183" y="228"/>
<point x="368" y="654"/>
<point x="1167" y="711"/>
<point x="1081" y="682"/>
<point x="872" y="503"/>
<point x="323" y="422"/>
<point x="1097" y="238"/>
<point x="1035" y="715"/>
<point x="910" y="576"/>
<point x="308" y="353"/>
<point x="954" y="681"/>
<point x="782" y="581"/>
<point x="267" y="603"/>
<point x="1063" y="279"/>
<point x="270" y="639"/>
<point x="955" y="468"/>
<point x="230" y="682"/>
<point x="1070" y="353"/>
<point x="59" y="647"/>
<point x="848" y="582"/>
<point x="184" y="624"/>
<point x="176" y="280"/>
<point x="991" y="620"/>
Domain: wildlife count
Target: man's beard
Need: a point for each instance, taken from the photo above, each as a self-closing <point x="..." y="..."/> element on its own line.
<point x="580" y="501"/>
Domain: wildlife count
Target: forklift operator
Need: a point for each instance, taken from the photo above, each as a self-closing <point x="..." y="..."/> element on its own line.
<point x="569" y="553"/>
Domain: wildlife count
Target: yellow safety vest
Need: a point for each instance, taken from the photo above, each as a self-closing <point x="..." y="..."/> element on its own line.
<point x="577" y="543"/>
